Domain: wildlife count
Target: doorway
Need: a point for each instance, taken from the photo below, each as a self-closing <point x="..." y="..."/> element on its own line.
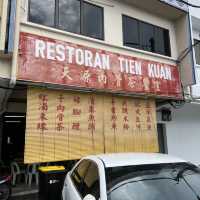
<point x="162" y="138"/>
<point x="13" y="137"/>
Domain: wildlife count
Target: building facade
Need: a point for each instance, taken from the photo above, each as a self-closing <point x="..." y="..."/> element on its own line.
<point x="88" y="76"/>
<point x="182" y="133"/>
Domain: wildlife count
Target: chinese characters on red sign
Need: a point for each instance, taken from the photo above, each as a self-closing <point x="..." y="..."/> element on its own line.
<point x="52" y="61"/>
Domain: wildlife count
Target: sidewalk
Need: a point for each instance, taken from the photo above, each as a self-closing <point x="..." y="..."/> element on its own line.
<point x="26" y="197"/>
<point x="24" y="192"/>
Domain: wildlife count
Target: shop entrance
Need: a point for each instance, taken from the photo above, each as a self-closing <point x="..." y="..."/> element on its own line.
<point x="13" y="142"/>
<point x="13" y="137"/>
<point x="162" y="138"/>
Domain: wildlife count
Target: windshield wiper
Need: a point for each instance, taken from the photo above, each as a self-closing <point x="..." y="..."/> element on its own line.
<point x="181" y="172"/>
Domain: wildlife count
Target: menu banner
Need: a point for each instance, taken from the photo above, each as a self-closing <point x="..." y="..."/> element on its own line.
<point x="66" y="126"/>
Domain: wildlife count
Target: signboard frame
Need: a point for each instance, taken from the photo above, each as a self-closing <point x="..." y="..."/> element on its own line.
<point x="63" y="63"/>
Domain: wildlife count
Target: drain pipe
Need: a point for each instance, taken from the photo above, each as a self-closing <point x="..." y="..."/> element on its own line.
<point x="14" y="63"/>
<point x="15" y="47"/>
<point x="193" y="98"/>
<point x="190" y="98"/>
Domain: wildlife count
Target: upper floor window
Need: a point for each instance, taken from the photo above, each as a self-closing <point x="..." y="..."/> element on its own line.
<point x="76" y="16"/>
<point x="197" y="51"/>
<point x="141" y="35"/>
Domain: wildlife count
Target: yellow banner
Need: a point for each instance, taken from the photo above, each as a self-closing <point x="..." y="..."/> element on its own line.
<point x="65" y="125"/>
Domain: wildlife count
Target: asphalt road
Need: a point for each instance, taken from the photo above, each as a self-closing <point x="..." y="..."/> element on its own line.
<point x="26" y="197"/>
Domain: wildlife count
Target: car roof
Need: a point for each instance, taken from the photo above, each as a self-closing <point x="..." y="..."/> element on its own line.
<point x="128" y="159"/>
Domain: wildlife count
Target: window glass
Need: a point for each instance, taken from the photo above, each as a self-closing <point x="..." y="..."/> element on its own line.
<point x="197" y="52"/>
<point x="42" y="12"/>
<point x="69" y="15"/>
<point x="159" y="40"/>
<point x="92" y="21"/>
<point x="167" y="43"/>
<point x="141" y="35"/>
<point x="131" y="32"/>
<point x="160" y="189"/>
<point x="154" y="182"/>
<point x="147" y="37"/>
<point x="79" y="173"/>
<point x="91" y="182"/>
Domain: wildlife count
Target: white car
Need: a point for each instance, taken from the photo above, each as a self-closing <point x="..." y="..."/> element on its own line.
<point x="132" y="176"/>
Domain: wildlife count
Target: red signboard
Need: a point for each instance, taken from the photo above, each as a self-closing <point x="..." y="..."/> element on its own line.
<point x="46" y="60"/>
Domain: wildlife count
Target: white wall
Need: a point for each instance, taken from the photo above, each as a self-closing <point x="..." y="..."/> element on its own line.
<point x="195" y="11"/>
<point x="1" y="4"/>
<point x="113" y="11"/>
<point x="183" y="133"/>
<point x="196" y="88"/>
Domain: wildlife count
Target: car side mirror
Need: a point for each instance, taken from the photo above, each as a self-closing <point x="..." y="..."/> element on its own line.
<point x="89" y="197"/>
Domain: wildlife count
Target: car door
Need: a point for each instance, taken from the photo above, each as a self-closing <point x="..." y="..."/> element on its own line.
<point x="73" y="183"/>
<point x="83" y="180"/>
<point x="91" y="182"/>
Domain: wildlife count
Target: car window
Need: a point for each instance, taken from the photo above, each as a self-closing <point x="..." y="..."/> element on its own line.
<point x="78" y="174"/>
<point x="91" y="182"/>
<point x="156" y="189"/>
<point x="154" y="182"/>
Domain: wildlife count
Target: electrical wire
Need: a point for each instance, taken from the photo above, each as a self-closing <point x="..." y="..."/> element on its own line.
<point x="187" y="51"/>
<point x="8" y="88"/>
<point x="189" y="4"/>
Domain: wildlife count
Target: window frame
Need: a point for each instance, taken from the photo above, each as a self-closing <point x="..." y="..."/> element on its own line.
<point x="57" y="17"/>
<point x="81" y="21"/>
<point x="196" y="40"/>
<point x="95" y="164"/>
<point x="139" y="35"/>
<point x="29" y="10"/>
<point x="90" y="162"/>
<point x="123" y="28"/>
<point x="74" y="171"/>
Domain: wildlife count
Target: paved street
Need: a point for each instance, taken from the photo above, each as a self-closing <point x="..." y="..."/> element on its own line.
<point x="26" y="197"/>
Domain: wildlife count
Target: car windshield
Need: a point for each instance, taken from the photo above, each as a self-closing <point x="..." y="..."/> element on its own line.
<point x="154" y="182"/>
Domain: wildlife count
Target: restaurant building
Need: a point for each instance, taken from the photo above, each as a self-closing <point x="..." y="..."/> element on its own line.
<point x="86" y="77"/>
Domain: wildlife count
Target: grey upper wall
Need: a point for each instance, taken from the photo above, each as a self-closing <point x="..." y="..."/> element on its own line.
<point x="195" y="11"/>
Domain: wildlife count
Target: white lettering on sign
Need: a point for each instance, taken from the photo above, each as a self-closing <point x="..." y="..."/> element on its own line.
<point x="60" y="52"/>
<point x="79" y="57"/>
<point x="88" y="58"/>
<point x="130" y="66"/>
<point x="40" y="48"/>
<point x="52" y="51"/>
<point x="70" y="54"/>
<point x="159" y="71"/>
